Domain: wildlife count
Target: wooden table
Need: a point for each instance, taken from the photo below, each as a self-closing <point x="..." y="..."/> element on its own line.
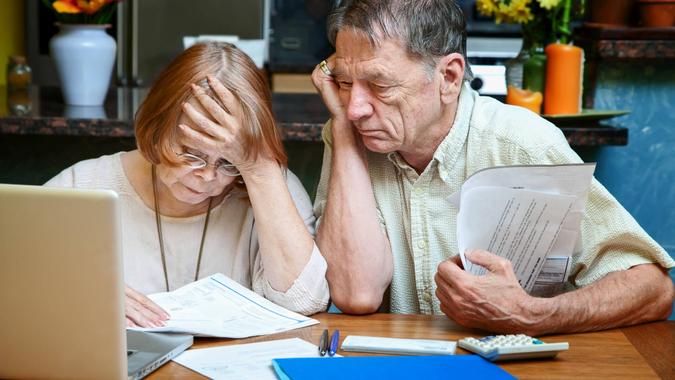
<point x="640" y="352"/>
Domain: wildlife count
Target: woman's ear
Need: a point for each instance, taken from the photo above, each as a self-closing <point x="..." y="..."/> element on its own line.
<point x="451" y="68"/>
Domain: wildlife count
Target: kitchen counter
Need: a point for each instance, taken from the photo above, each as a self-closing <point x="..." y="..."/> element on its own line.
<point x="40" y="111"/>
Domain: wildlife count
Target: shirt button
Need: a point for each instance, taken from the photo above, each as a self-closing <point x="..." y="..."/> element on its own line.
<point x="427" y="297"/>
<point x="421" y="244"/>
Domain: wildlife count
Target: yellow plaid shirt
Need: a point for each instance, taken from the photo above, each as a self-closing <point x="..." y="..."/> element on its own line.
<point x="421" y="224"/>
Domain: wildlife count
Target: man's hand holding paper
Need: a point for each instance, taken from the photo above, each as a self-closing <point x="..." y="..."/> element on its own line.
<point x="517" y="230"/>
<point x="481" y="300"/>
<point x="529" y="215"/>
<point x="516" y="224"/>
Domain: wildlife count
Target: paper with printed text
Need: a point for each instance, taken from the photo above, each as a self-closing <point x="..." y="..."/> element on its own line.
<point x="251" y="361"/>
<point x="530" y="215"/>
<point x="218" y="306"/>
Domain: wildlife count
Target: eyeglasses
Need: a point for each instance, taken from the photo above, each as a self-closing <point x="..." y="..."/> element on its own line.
<point x="224" y="167"/>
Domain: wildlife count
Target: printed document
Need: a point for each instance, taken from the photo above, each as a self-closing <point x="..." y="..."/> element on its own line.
<point x="218" y="306"/>
<point x="252" y="361"/>
<point x="530" y="215"/>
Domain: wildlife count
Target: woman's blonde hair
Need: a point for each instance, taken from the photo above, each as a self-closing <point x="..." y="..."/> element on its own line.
<point x="156" y="121"/>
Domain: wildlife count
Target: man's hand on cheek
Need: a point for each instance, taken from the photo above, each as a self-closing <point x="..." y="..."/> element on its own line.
<point x="328" y="88"/>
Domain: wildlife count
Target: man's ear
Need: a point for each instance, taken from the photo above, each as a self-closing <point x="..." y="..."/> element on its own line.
<point x="451" y="68"/>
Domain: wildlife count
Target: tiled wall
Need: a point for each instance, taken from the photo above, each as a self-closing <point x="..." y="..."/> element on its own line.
<point x="641" y="175"/>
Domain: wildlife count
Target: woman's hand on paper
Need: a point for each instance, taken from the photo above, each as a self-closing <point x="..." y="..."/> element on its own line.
<point x="140" y="311"/>
<point x="494" y="301"/>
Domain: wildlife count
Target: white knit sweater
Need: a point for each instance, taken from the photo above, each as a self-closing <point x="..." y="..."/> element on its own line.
<point x="231" y="244"/>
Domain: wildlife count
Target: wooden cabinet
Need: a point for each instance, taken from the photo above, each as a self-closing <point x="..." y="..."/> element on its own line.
<point x="606" y="43"/>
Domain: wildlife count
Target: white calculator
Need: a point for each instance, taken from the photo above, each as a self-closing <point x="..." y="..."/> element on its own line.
<point x="507" y="347"/>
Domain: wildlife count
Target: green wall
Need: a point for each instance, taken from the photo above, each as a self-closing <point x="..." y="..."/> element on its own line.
<point x="11" y="33"/>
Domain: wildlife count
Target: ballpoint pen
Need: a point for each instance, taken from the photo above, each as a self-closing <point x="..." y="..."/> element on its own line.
<point x="334" y="343"/>
<point x="323" y="343"/>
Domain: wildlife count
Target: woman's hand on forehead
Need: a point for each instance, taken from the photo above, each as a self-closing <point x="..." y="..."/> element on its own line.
<point x="218" y="130"/>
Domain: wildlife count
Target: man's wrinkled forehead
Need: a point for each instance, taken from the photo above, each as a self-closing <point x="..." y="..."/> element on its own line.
<point x="354" y="48"/>
<point x="375" y="35"/>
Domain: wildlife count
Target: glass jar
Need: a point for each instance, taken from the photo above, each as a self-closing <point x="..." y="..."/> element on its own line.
<point x="514" y="68"/>
<point x="19" y="102"/>
<point x="528" y="69"/>
<point x="534" y="69"/>
<point x="526" y="73"/>
<point x="18" y="73"/>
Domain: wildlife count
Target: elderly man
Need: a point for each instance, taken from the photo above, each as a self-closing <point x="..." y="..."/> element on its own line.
<point x="405" y="132"/>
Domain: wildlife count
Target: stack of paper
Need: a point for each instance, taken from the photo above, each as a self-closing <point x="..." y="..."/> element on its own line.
<point x="220" y="307"/>
<point x="530" y="215"/>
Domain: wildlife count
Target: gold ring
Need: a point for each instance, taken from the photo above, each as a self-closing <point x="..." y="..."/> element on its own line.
<point x="324" y="67"/>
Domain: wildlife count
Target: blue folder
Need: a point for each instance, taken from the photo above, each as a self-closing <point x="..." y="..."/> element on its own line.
<point x="389" y="367"/>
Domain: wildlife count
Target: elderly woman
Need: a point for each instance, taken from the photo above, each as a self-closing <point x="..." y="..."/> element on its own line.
<point x="208" y="190"/>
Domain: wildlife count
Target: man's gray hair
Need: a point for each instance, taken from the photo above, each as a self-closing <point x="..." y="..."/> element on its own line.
<point x="429" y="29"/>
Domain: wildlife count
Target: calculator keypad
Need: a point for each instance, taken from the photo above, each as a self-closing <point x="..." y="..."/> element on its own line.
<point x="520" y="346"/>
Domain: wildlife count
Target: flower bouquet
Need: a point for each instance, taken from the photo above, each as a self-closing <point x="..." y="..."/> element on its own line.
<point x="545" y="23"/>
<point x="82" y="11"/>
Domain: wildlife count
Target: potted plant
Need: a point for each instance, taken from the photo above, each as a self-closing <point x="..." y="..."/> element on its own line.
<point x="525" y="73"/>
<point x="83" y="52"/>
<point x="557" y="73"/>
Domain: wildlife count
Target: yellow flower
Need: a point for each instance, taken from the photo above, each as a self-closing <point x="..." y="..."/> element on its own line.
<point x="503" y="14"/>
<point x="486" y="7"/>
<point x="66" y="7"/>
<point x="520" y="11"/>
<point x="548" y="4"/>
<point x="516" y="11"/>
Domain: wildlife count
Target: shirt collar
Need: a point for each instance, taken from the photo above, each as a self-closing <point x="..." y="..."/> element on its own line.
<point x="450" y="148"/>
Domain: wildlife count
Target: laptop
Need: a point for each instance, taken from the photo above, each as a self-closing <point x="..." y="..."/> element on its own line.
<point x="62" y="289"/>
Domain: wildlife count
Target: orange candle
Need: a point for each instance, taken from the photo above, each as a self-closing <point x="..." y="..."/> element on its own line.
<point x="524" y="98"/>
<point x="564" y="68"/>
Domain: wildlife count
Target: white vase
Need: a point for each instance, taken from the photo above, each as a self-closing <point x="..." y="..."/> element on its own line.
<point x="84" y="112"/>
<point x="84" y="56"/>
